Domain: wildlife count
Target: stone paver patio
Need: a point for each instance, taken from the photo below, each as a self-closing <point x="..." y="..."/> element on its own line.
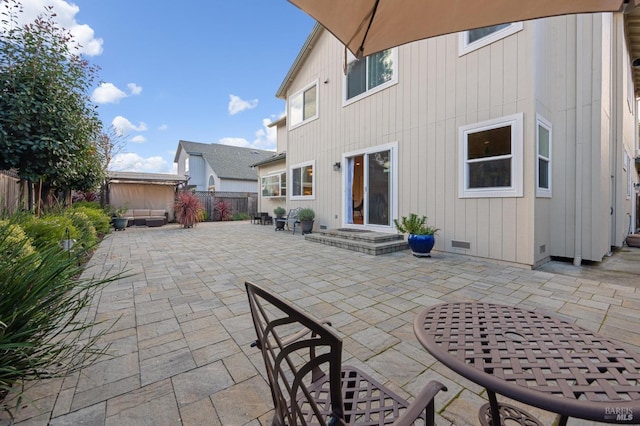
<point x="181" y="329"/>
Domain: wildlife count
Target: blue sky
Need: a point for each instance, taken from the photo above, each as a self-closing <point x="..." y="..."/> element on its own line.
<point x="203" y="71"/>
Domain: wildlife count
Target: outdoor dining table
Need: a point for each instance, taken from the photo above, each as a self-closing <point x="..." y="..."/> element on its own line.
<point x="535" y="358"/>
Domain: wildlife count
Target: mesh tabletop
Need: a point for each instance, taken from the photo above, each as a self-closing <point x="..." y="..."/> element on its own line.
<point x="536" y="359"/>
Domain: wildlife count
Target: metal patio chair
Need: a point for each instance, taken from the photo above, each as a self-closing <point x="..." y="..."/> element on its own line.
<point x="309" y="386"/>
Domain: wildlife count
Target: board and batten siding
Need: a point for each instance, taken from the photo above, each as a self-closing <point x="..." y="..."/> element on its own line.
<point x="561" y="68"/>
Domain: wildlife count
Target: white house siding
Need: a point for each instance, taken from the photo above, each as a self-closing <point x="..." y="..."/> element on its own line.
<point x="437" y="92"/>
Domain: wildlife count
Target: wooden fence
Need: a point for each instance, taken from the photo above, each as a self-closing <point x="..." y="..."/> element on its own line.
<point x="11" y="198"/>
<point x="240" y="202"/>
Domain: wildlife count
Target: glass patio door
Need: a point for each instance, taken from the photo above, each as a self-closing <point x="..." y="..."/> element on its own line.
<point x="369" y="188"/>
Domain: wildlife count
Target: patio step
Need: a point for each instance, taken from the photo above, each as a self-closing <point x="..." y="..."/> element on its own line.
<point x="362" y="241"/>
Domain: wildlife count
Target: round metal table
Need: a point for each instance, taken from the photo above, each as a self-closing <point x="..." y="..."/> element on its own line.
<point x="536" y="359"/>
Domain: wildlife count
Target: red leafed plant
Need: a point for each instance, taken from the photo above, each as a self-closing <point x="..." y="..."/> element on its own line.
<point x="189" y="210"/>
<point x="224" y="209"/>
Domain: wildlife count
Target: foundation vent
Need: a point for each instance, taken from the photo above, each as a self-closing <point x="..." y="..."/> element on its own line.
<point x="461" y="244"/>
<point x="543" y="248"/>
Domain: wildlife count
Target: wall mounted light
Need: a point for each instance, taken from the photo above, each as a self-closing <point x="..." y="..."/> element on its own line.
<point x="336" y="166"/>
<point x="636" y="63"/>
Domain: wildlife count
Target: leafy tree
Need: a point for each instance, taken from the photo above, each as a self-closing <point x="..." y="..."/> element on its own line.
<point x="48" y="125"/>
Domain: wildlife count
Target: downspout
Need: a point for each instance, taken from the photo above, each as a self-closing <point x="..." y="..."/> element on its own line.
<point x="577" y="259"/>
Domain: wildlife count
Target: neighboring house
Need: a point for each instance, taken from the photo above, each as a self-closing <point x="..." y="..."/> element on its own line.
<point x="134" y="190"/>
<point x="517" y="141"/>
<point x="216" y="167"/>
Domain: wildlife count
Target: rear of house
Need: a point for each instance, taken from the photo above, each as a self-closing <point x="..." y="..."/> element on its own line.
<point x="516" y="140"/>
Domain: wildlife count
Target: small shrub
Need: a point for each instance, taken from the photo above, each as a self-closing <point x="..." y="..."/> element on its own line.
<point x="189" y="210"/>
<point x="241" y="216"/>
<point x="49" y="230"/>
<point x="279" y="211"/>
<point x="99" y="218"/>
<point x="88" y="234"/>
<point x="224" y="209"/>
<point x="415" y="224"/>
<point x="306" y="214"/>
<point x="14" y="243"/>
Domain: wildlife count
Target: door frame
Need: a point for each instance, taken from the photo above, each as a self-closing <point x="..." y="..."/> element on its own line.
<point x="392" y="147"/>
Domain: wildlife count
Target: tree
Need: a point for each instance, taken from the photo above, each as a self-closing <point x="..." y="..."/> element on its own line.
<point x="108" y="145"/>
<point x="48" y="125"/>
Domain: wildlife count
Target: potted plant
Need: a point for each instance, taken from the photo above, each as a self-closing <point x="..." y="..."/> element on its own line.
<point x="421" y="236"/>
<point x="279" y="212"/>
<point x="306" y="216"/>
<point x="119" y="219"/>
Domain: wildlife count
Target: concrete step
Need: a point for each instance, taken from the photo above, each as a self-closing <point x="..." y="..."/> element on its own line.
<point x="362" y="241"/>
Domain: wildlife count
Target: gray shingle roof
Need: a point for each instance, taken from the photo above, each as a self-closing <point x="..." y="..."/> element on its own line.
<point x="228" y="162"/>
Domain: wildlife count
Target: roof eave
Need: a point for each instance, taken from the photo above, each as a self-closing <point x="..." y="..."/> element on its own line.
<point x="297" y="63"/>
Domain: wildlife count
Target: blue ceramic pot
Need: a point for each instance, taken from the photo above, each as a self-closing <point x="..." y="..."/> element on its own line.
<point x="421" y="245"/>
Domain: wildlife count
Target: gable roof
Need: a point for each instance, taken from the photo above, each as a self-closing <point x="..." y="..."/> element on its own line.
<point x="297" y="63"/>
<point x="228" y="162"/>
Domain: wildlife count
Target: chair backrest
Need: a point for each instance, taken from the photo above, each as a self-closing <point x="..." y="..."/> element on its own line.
<point x="298" y="352"/>
<point x="293" y="214"/>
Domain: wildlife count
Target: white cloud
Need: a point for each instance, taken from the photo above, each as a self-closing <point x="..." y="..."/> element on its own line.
<point x="107" y="93"/>
<point x="123" y="126"/>
<point x="236" y="104"/>
<point x="132" y="162"/>
<point x="265" y="138"/>
<point x="66" y="18"/>
<point x="163" y="127"/>
<point x="138" y="139"/>
<point x="134" y="89"/>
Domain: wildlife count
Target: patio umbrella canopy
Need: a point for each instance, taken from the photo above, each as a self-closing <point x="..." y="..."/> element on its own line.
<point x="370" y="26"/>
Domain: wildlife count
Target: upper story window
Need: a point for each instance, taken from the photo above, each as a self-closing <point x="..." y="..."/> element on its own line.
<point x="543" y="168"/>
<point x="212" y="182"/>
<point x="186" y="165"/>
<point x="475" y="39"/>
<point x="302" y="181"/>
<point x="370" y="74"/>
<point x="303" y="105"/>
<point x="491" y="158"/>
<point x="274" y="185"/>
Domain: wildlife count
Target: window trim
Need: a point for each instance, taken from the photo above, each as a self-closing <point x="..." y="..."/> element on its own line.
<point x="278" y="173"/>
<point x="465" y="47"/>
<point x="517" y="144"/>
<point x="293" y="167"/>
<point x="301" y="93"/>
<point x="544" y="192"/>
<point x="369" y="92"/>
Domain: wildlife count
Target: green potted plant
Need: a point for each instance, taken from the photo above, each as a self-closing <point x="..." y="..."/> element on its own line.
<point x="421" y="236"/>
<point x="306" y="216"/>
<point x="279" y="212"/>
<point x="119" y="219"/>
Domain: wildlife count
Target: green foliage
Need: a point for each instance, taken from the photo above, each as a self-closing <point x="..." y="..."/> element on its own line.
<point x="50" y="230"/>
<point x="48" y="124"/>
<point x="415" y="224"/>
<point x="99" y="219"/>
<point x="279" y="211"/>
<point x="88" y="234"/>
<point x="42" y="325"/>
<point x="16" y="243"/>
<point x="306" y="213"/>
<point x="189" y="210"/>
<point x="241" y="216"/>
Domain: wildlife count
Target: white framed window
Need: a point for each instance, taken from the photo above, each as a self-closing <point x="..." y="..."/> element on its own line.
<point x="274" y="185"/>
<point x="491" y="158"/>
<point x="186" y="165"/>
<point x="303" y="106"/>
<point x="212" y="183"/>
<point x="303" y="186"/>
<point x="471" y="40"/>
<point x="369" y="75"/>
<point x="543" y="149"/>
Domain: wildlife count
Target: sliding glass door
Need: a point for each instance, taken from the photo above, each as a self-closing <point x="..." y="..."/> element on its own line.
<point x="370" y="187"/>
